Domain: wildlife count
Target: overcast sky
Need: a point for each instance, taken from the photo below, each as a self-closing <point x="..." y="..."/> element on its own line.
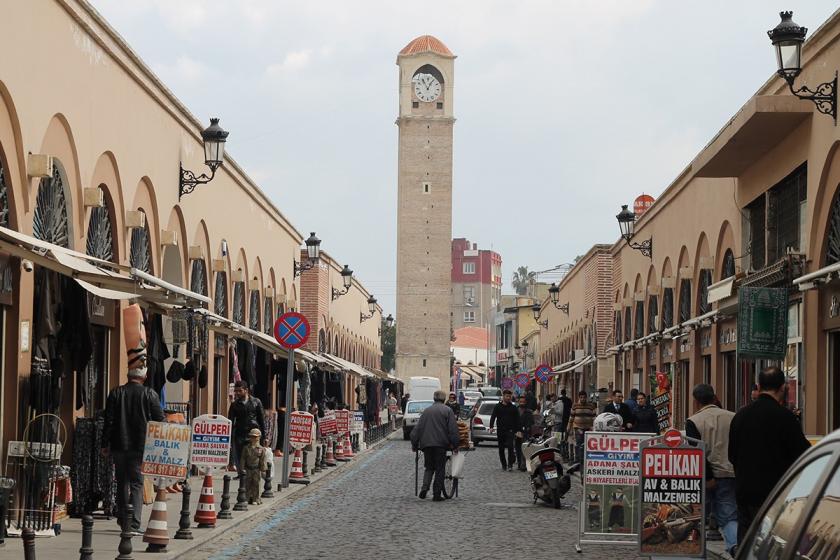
<point x="565" y="109"/>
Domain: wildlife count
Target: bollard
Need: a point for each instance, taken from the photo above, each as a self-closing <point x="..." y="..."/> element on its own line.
<point x="224" y="507"/>
<point x="241" y="499"/>
<point x="317" y="467"/>
<point x="28" y="537"/>
<point x="267" y="493"/>
<point x="184" y="531"/>
<point x="125" y="549"/>
<point x="323" y="447"/>
<point x="86" y="552"/>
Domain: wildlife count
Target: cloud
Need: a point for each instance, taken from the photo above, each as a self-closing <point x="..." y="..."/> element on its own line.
<point x="292" y="62"/>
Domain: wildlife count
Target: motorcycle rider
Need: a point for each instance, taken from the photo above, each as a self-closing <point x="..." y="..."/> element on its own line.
<point x="508" y="417"/>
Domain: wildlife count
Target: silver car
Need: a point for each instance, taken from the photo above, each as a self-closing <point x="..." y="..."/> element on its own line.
<point x="480" y="421"/>
<point x="413" y="410"/>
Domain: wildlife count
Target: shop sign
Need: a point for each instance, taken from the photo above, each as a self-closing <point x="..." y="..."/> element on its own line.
<point x="210" y="441"/>
<point x="611" y="484"/>
<point x="342" y="420"/>
<point x="660" y="398"/>
<point x="300" y="429"/>
<point x="671" y="512"/>
<point x="328" y="424"/>
<point x="358" y="421"/>
<point x="167" y="450"/>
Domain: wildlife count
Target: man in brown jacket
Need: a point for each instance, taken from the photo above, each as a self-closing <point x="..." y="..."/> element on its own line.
<point x="580" y="421"/>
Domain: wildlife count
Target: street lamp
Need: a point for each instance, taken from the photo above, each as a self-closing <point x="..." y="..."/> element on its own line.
<point x="346" y="280"/>
<point x="389" y="322"/>
<point x="554" y="292"/>
<point x="313" y="253"/>
<point x="537" y="309"/>
<point x="627" y="224"/>
<point x="787" y="38"/>
<point x="214" y="138"/>
<point x="371" y="308"/>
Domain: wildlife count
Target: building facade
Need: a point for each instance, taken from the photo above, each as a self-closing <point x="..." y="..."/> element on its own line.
<point x="424" y="212"/>
<point x="476" y="284"/>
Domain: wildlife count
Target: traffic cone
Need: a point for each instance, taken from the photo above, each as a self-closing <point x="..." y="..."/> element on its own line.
<point x="157" y="531"/>
<point x="348" y="447"/>
<point x="297" y="476"/>
<point x="339" y="450"/>
<point x="205" y="515"/>
<point x="330" y="457"/>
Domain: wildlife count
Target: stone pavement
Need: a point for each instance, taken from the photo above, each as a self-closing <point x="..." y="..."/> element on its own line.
<point x="107" y="533"/>
<point x="370" y="511"/>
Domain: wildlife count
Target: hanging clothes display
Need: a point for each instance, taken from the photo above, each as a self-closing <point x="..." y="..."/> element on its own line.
<point x="157" y="352"/>
<point x="304" y="386"/>
<point x="75" y="338"/>
<point x="316" y="394"/>
<point x="246" y="357"/>
<point x="261" y="375"/>
<point x="92" y="474"/>
<point x="361" y="394"/>
<point x="271" y="428"/>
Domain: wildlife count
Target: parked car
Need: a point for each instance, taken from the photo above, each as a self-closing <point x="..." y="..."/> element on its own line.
<point x="413" y="409"/>
<point x="799" y="517"/>
<point x="480" y="421"/>
<point x="471" y="396"/>
<point x="488" y="391"/>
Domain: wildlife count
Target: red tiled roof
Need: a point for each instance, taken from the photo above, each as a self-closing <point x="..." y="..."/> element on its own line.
<point x="426" y="43"/>
<point x="470" y="337"/>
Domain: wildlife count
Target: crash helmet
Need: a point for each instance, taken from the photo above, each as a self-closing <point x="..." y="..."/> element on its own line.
<point x="607" y="422"/>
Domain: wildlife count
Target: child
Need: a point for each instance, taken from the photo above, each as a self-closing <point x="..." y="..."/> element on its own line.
<point x="254" y="462"/>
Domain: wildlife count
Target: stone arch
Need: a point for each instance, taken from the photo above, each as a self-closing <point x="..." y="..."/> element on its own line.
<point x="177" y="223"/>
<point x="52" y="219"/>
<point x="725" y="242"/>
<point x="221" y="283"/>
<point x="106" y="176"/>
<point x="828" y="190"/>
<point x="58" y="142"/>
<point x="13" y="159"/>
<point x="145" y="200"/>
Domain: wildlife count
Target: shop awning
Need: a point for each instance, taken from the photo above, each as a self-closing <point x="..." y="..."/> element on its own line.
<point x="696" y="322"/>
<point x="814" y="279"/>
<point x="355" y="368"/>
<point x="191" y="299"/>
<point x="579" y="363"/>
<point x="721" y="290"/>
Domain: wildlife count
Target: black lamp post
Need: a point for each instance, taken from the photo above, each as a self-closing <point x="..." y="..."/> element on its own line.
<point x="313" y="253"/>
<point x="537" y="309"/>
<point x="346" y="281"/>
<point x="214" y="138"/>
<point x="787" y="38"/>
<point x="371" y="308"/>
<point x="627" y="224"/>
<point x="389" y="322"/>
<point x="554" y="293"/>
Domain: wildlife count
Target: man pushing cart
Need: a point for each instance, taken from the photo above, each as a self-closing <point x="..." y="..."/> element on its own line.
<point x="435" y="433"/>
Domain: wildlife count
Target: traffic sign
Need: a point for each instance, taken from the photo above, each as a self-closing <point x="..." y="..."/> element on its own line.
<point x="291" y="330"/>
<point x="543" y="373"/>
<point x="672" y="438"/>
<point x="507" y="383"/>
<point x="522" y="379"/>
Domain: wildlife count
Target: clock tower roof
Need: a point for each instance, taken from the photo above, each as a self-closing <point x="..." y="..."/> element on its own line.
<point x="426" y="43"/>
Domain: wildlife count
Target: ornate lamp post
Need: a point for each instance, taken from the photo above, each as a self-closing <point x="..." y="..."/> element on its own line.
<point x="627" y="224"/>
<point x="554" y="293"/>
<point x="371" y="307"/>
<point x="313" y="254"/>
<point x="214" y="138"/>
<point x="537" y="309"/>
<point x="346" y="280"/>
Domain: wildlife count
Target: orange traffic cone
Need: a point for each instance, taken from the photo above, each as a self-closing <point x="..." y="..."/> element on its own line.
<point x="157" y="531"/>
<point x="205" y="515"/>
<point x="339" y="450"/>
<point x="297" y="476"/>
<point x="348" y="446"/>
<point x="329" y="459"/>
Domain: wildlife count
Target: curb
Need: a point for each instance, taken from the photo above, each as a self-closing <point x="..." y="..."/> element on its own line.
<point x="196" y="543"/>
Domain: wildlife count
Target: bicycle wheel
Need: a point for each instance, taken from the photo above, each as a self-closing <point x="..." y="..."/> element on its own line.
<point x="449" y="482"/>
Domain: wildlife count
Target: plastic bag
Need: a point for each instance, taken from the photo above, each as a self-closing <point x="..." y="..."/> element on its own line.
<point x="458" y="465"/>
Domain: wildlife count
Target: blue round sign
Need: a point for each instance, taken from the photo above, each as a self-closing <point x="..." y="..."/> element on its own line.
<point x="291" y="330"/>
<point x="543" y="373"/>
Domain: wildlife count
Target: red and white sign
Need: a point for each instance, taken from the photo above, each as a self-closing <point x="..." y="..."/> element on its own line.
<point x="342" y="420"/>
<point x="291" y="330"/>
<point x="641" y="204"/>
<point x="672" y="438"/>
<point x="210" y="441"/>
<point x="612" y="458"/>
<point x="300" y="429"/>
<point x="328" y="423"/>
<point x="659" y="462"/>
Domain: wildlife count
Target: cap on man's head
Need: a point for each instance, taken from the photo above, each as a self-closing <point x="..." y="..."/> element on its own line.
<point x="255" y="432"/>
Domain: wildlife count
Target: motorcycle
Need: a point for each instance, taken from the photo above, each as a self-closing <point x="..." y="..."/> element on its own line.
<point x="544" y="465"/>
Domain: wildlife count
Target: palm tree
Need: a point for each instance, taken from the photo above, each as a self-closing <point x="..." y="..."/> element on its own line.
<point x="522" y="280"/>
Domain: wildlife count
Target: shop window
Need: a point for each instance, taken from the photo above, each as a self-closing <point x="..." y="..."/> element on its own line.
<point x="756" y="213"/>
<point x="239" y="302"/>
<point x="268" y="316"/>
<point x="703" y="305"/>
<point x="619" y="338"/>
<point x="728" y="265"/>
<point x="220" y="301"/>
<point x="653" y="314"/>
<point x="785" y="204"/>
<point x="50" y="221"/>
<point x="628" y="325"/>
<point x="639" y="330"/>
<point x="667" y="320"/>
<point x="100" y="237"/>
<point x="685" y="300"/>
<point x="254" y="311"/>
<point x="141" y="249"/>
<point x="198" y="277"/>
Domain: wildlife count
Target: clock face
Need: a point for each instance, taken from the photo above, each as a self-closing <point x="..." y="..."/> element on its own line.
<point x="426" y="87"/>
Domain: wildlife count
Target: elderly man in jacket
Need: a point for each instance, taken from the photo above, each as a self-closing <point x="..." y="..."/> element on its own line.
<point x="435" y="433"/>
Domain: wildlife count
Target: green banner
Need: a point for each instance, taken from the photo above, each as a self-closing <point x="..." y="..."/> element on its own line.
<point x="762" y="322"/>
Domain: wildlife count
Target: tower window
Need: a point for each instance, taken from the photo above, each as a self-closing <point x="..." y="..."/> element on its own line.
<point x="439" y="105"/>
<point x="424" y="362"/>
<point x="427" y="187"/>
<point x="415" y="104"/>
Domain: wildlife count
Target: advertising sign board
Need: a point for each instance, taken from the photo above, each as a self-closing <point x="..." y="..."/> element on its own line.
<point x="660" y="398"/>
<point x="300" y="429"/>
<point x="342" y="420"/>
<point x="166" y="453"/>
<point x="328" y="424"/>
<point x="359" y="421"/>
<point x="210" y="441"/>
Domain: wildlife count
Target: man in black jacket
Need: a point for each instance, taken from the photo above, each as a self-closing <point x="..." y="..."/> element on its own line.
<point x="618" y="406"/>
<point x="765" y="439"/>
<point x="128" y="410"/>
<point x="245" y="413"/>
<point x="435" y="433"/>
<point x="507" y="415"/>
<point x="526" y="422"/>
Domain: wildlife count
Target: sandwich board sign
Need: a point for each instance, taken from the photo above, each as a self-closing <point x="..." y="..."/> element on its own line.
<point x="210" y="446"/>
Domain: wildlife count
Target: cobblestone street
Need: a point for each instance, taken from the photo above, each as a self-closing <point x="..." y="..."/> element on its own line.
<point x="370" y="512"/>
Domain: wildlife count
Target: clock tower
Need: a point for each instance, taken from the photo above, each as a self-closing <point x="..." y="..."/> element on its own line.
<point x="424" y="213"/>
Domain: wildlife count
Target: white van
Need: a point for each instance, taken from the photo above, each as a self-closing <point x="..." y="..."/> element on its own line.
<point x="422" y="388"/>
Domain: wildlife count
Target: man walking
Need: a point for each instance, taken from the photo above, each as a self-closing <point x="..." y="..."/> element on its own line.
<point x="245" y="414"/>
<point x="764" y="440"/>
<point x="128" y="410"/>
<point x="711" y="424"/>
<point x="507" y="416"/>
<point x="435" y="433"/>
<point x="580" y="421"/>
<point x="567" y="408"/>
<point x="526" y="421"/>
<point x="618" y="406"/>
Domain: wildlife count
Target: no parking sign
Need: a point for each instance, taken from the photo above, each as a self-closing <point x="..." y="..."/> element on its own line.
<point x="542" y="373"/>
<point x="522" y="380"/>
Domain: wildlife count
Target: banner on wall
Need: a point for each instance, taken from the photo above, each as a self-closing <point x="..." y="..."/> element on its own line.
<point x="660" y="398"/>
<point x="762" y="322"/>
